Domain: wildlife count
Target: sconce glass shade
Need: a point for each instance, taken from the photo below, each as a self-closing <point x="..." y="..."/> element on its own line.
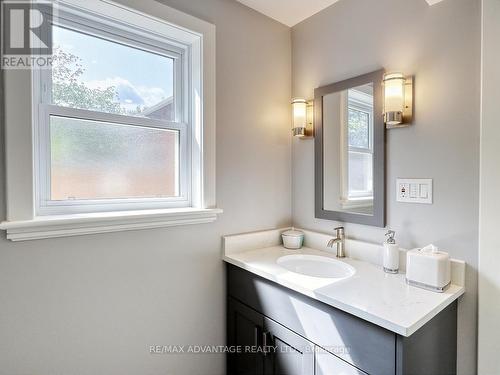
<point x="394" y="98"/>
<point x="299" y="107"/>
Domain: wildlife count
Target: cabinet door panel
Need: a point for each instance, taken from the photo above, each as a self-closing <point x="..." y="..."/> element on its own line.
<point x="244" y="331"/>
<point x="328" y="364"/>
<point x="289" y="353"/>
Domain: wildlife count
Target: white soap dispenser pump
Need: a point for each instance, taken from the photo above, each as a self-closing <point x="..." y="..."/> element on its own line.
<point x="391" y="253"/>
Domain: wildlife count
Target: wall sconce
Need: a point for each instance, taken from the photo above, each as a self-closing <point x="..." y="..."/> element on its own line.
<point x="398" y="100"/>
<point x="302" y="118"/>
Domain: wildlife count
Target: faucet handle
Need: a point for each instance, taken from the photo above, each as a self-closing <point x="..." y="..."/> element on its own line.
<point x="339" y="229"/>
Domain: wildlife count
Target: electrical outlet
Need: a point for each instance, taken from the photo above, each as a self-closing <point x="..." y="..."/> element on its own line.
<point x="414" y="190"/>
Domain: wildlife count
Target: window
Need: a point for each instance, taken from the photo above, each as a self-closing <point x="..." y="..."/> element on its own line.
<point x="113" y="123"/>
<point x="120" y="133"/>
<point x="104" y="75"/>
<point x="358" y="183"/>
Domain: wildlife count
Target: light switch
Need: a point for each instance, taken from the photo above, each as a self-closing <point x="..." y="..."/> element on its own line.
<point x="424" y="191"/>
<point x="414" y="190"/>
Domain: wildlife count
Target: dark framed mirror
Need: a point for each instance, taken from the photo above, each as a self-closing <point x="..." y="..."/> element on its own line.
<point x="350" y="151"/>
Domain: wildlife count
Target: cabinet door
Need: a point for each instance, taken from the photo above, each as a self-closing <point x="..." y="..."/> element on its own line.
<point x="287" y="353"/>
<point x="328" y="364"/>
<point x="244" y="331"/>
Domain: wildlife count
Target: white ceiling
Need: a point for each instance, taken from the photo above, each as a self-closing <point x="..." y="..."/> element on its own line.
<point x="291" y="12"/>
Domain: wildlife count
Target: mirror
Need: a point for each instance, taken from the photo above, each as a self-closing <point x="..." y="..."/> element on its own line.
<point x="350" y="151"/>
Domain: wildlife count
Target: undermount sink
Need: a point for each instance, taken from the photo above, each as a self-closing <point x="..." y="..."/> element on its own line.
<point x="316" y="266"/>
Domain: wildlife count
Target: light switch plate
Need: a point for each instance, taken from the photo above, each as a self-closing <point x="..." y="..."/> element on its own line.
<point x="414" y="190"/>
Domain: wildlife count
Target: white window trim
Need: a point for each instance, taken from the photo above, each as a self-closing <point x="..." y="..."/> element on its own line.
<point x="106" y="222"/>
<point x="101" y="26"/>
<point x="199" y="37"/>
<point x="361" y="102"/>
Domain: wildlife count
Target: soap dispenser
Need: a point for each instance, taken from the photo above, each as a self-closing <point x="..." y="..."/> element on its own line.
<point x="391" y="253"/>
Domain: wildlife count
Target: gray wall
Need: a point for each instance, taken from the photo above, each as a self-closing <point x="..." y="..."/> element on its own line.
<point x="489" y="249"/>
<point x="93" y="304"/>
<point x="440" y="45"/>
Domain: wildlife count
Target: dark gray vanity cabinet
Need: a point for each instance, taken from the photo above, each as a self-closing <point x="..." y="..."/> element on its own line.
<point x="282" y="332"/>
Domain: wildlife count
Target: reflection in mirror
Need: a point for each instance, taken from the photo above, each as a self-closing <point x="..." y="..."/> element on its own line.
<point x="348" y="150"/>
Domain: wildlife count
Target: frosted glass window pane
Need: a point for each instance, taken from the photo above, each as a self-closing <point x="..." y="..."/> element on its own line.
<point x="360" y="174"/>
<point x="101" y="160"/>
<point x="102" y="75"/>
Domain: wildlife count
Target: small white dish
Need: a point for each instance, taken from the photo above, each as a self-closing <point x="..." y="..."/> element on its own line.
<point x="293" y="239"/>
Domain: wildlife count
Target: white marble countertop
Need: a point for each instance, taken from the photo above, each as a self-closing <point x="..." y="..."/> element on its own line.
<point x="371" y="294"/>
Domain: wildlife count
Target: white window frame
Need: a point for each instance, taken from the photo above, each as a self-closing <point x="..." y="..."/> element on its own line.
<point x="43" y="109"/>
<point x="360" y="102"/>
<point x="158" y="25"/>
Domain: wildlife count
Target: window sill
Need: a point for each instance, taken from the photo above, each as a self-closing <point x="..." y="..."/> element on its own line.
<point x="75" y="225"/>
<point x="356" y="203"/>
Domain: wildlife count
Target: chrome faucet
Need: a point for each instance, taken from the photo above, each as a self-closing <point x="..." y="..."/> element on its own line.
<point x="340" y="241"/>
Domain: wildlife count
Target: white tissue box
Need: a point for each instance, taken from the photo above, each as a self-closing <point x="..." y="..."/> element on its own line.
<point x="428" y="268"/>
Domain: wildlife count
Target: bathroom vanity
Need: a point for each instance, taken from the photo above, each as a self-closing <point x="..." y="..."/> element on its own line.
<point x="368" y="322"/>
